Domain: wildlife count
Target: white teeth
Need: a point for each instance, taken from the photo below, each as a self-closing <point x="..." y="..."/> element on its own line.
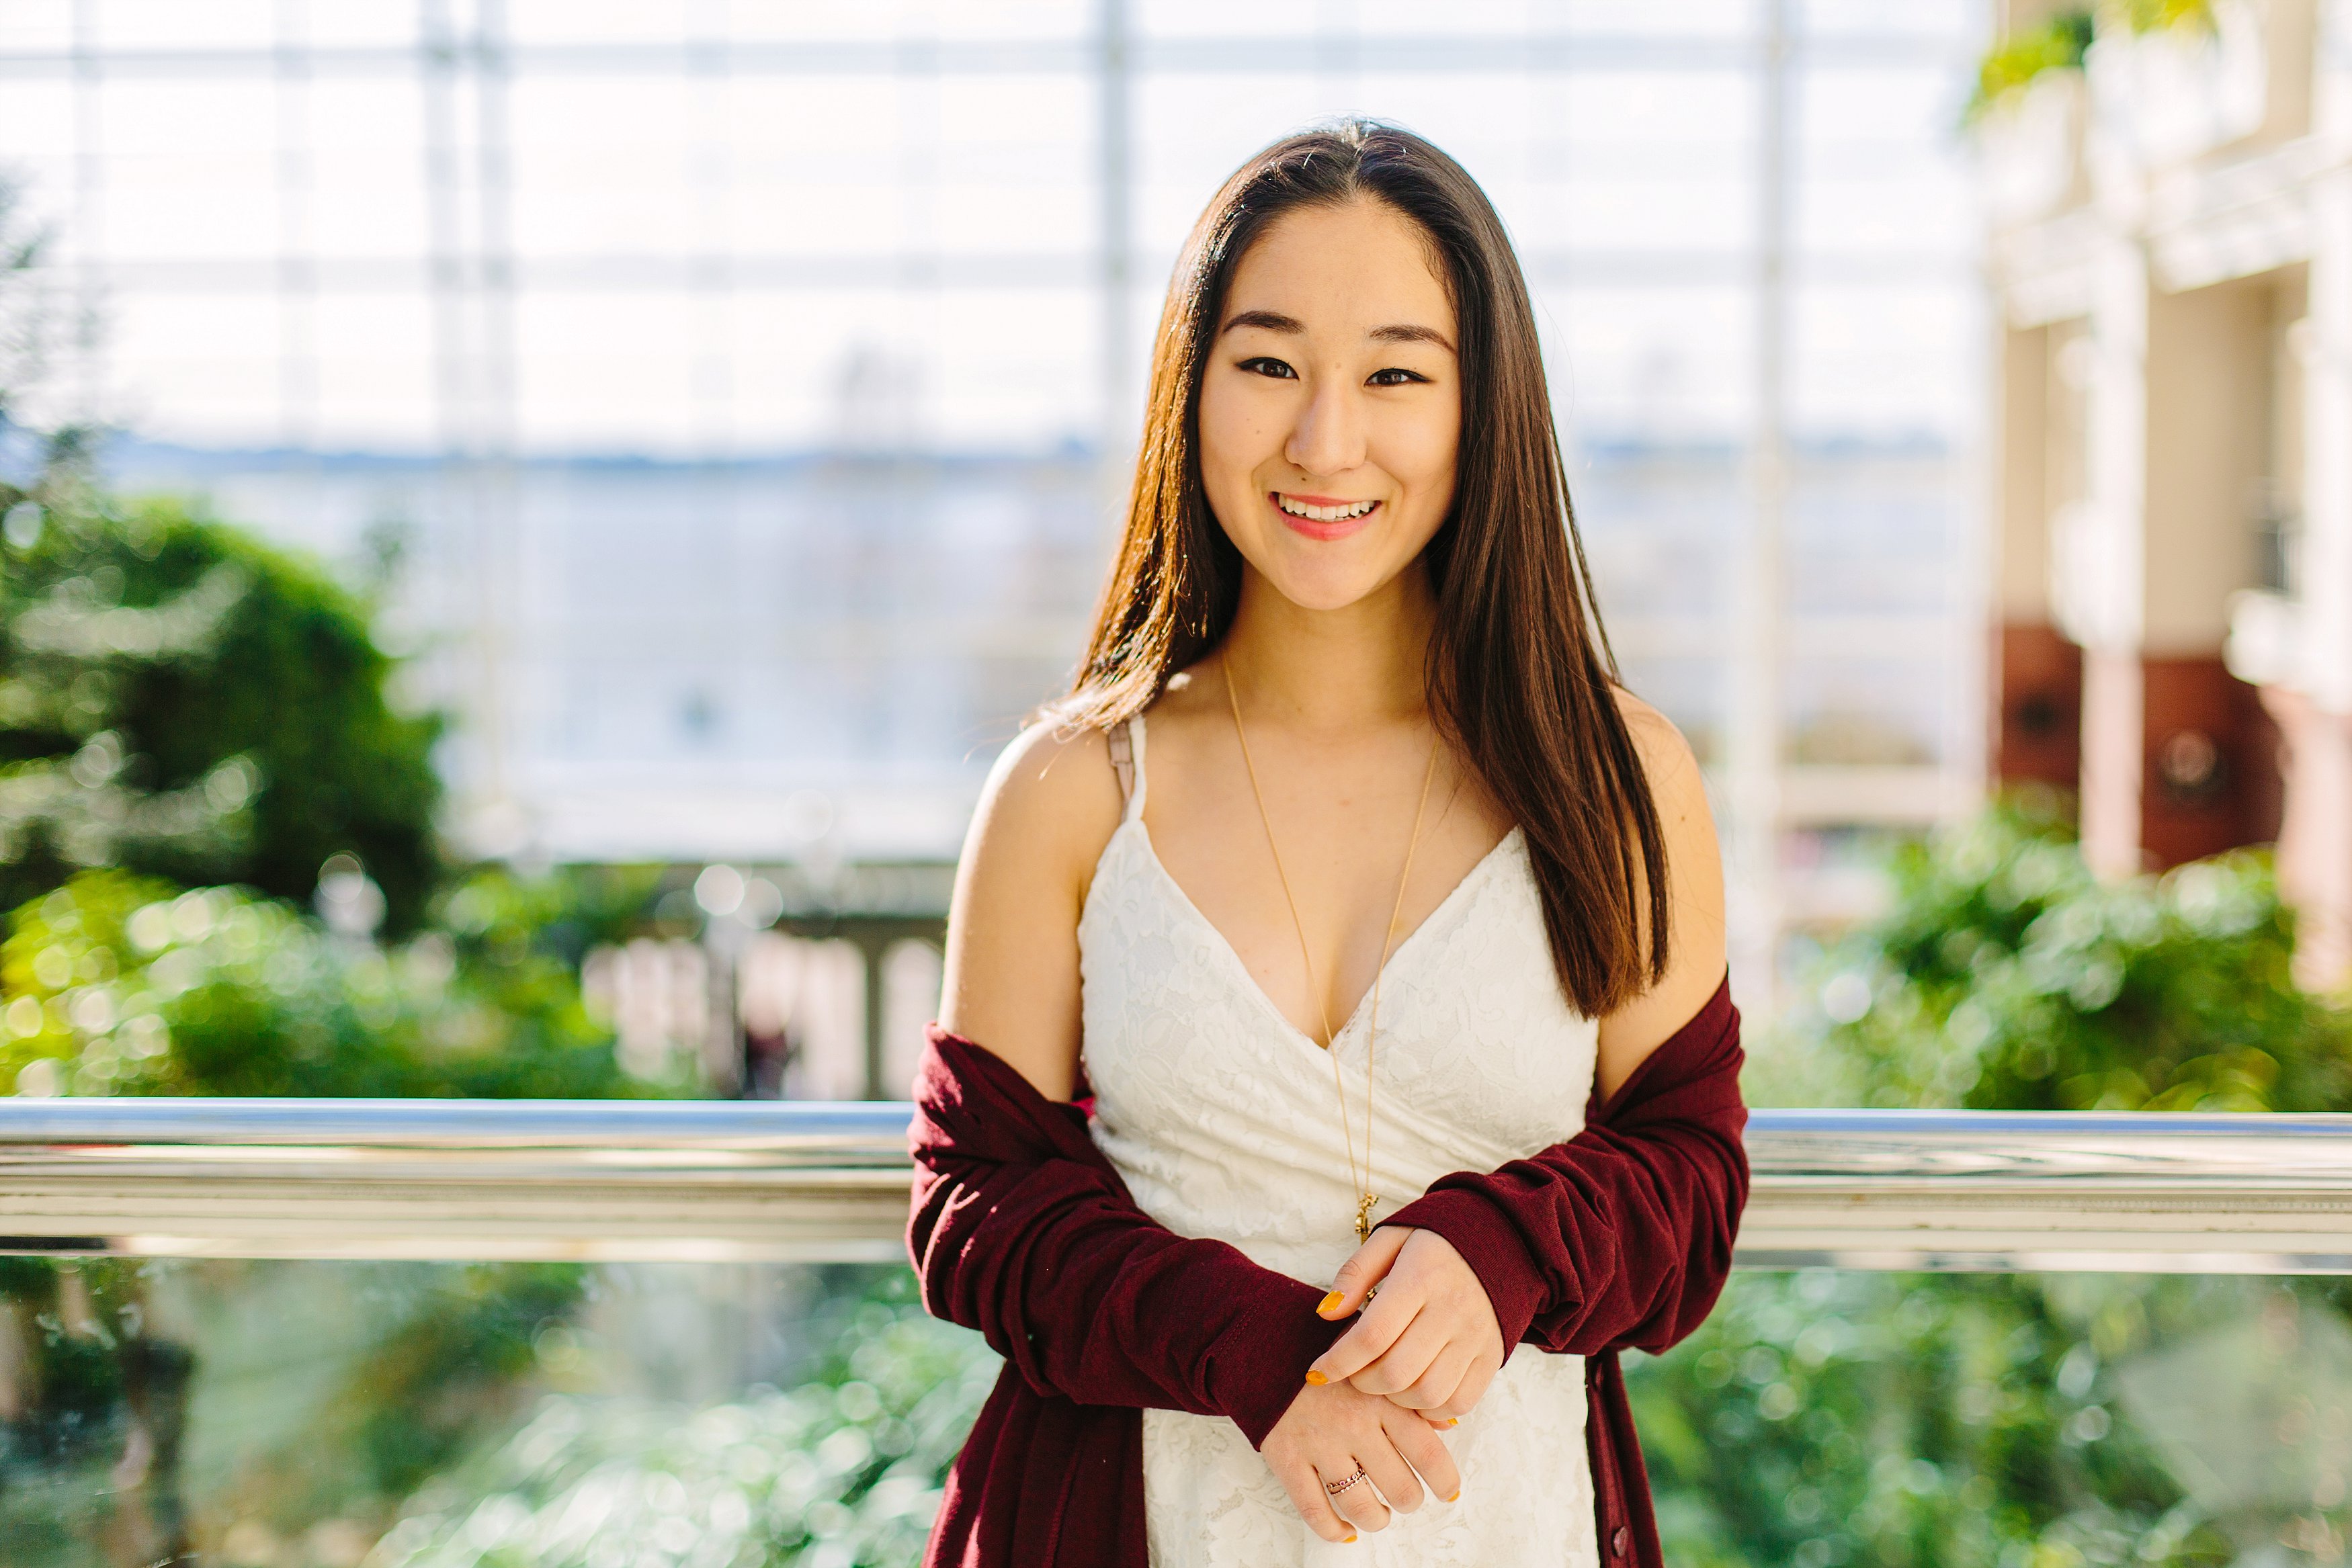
<point x="1323" y="514"/>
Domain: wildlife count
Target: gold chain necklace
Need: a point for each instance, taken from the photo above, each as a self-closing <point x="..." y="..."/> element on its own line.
<point x="1367" y="1198"/>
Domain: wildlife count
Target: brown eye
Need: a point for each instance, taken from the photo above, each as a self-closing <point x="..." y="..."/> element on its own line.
<point x="1265" y="365"/>
<point x="1394" y="376"/>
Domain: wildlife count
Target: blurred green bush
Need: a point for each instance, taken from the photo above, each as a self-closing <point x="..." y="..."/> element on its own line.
<point x="1826" y="1419"/>
<point x="845" y="1469"/>
<point x="192" y="726"/>
<point x="2004" y="976"/>
<point x="178" y="698"/>
<point x="123" y="985"/>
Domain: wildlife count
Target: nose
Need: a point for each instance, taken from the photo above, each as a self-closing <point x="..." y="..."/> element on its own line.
<point x="1328" y="437"/>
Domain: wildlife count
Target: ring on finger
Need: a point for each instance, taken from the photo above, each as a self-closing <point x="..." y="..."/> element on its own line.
<point x="1335" y="1487"/>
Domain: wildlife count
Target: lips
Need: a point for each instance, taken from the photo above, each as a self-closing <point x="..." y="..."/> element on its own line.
<point x="1338" y="516"/>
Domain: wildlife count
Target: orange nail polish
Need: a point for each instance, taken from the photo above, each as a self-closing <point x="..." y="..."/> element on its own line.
<point x="1328" y="1303"/>
<point x="1316" y="1380"/>
<point x="1349" y="1541"/>
<point x="1455" y="1421"/>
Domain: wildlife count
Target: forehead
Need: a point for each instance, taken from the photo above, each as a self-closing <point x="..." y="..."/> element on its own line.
<point x="1356" y="265"/>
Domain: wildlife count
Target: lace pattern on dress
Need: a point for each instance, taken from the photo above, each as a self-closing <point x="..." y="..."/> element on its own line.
<point x="1218" y="1113"/>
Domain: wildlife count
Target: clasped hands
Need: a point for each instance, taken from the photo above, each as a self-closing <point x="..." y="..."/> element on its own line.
<point x="1415" y="1362"/>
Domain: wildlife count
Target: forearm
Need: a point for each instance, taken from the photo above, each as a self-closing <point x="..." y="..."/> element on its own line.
<point x="1021" y="1229"/>
<point x="1590" y="1246"/>
<point x="1622" y="1235"/>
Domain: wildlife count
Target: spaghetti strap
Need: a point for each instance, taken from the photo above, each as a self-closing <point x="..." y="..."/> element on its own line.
<point x="1142" y="784"/>
<point x="1122" y="762"/>
<point x="1126" y="739"/>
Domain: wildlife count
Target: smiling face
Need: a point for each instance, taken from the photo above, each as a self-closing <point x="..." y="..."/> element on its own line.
<point x="1330" y="409"/>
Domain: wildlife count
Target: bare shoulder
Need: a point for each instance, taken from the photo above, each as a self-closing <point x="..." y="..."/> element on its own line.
<point x="1695" y="947"/>
<point x="1678" y="790"/>
<point x="1050" y="805"/>
<point x="1052" y="799"/>
<point x="1676" y="782"/>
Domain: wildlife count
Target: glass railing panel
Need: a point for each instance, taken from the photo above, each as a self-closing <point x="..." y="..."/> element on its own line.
<point x="323" y="1414"/>
<point x="329" y="1415"/>
<point x="2022" y="1342"/>
<point x="1824" y="1418"/>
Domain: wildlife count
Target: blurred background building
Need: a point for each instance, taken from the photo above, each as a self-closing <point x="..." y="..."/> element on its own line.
<point x="2171" y="213"/>
<point x="732" y="400"/>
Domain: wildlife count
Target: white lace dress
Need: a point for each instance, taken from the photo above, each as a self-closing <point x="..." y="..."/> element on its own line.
<point x="1221" y="1117"/>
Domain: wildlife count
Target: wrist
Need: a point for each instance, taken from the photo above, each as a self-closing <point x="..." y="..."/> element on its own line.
<point x="1491" y="1248"/>
<point x="1257" y="1368"/>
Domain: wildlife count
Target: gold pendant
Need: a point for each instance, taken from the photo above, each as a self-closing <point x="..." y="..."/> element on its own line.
<point x="1364" y="1217"/>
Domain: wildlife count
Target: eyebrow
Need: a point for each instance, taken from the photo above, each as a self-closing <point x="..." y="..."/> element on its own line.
<point x="1412" y="334"/>
<point x="1274" y="321"/>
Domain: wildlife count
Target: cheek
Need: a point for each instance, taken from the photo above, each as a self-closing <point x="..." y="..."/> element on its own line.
<point x="1421" y="449"/>
<point x="1231" y="433"/>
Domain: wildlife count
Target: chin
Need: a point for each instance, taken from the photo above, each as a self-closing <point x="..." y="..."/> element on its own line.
<point x="1326" y="585"/>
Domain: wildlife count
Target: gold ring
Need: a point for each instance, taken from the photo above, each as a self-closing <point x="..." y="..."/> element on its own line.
<point x="1336" y="1488"/>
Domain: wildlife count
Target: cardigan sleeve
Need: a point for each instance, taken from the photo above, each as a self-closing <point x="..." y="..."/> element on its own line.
<point x="1622" y="1235"/>
<point x="1022" y="1229"/>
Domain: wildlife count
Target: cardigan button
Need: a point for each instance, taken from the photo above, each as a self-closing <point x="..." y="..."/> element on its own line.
<point x="1617" y="1543"/>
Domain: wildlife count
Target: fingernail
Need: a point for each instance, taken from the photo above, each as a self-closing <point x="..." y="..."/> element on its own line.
<point x="1328" y="1303"/>
<point x="1455" y="1497"/>
<point x="1455" y="1421"/>
<point x="1349" y="1542"/>
<point x="1316" y="1380"/>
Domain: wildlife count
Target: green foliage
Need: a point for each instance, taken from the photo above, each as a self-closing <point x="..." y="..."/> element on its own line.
<point x="307" y="1394"/>
<point x="1901" y="1421"/>
<point x="178" y="698"/>
<point x="2162" y="15"/>
<point x="847" y="1469"/>
<point x="2059" y="41"/>
<point x="498" y="917"/>
<point x="1830" y="1419"/>
<point x="2056" y="43"/>
<point x="119" y="984"/>
<point x="2007" y="977"/>
<point x="432" y="1384"/>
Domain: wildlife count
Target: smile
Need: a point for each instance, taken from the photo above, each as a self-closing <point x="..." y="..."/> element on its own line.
<point x="1322" y="518"/>
<point x="1337" y="511"/>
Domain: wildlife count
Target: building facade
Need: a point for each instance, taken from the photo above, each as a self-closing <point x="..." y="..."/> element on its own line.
<point x="2171" y="258"/>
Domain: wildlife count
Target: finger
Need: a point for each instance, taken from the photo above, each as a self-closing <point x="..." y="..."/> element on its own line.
<point x="1475" y="1381"/>
<point x="1305" y="1486"/>
<point x="1364" y="1269"/>
<point x="1433" y="1389"/>
<point x="1404" y="1363"/>
<point x="1393" y="1474"/>
<point x="1360" y="1504"/>
<point x="1367" y="1338"/>
<point x="1426" y="1453"/>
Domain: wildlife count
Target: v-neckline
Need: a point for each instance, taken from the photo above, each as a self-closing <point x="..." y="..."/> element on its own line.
<point x="1249" y="981"/>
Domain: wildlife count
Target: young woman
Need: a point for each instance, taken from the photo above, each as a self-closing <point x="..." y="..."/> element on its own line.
<point x="1344" y="882"/>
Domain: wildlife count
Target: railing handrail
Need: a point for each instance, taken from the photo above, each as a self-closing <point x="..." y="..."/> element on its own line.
<point x="787" y="1126"/>
<point x="743" y="1179"/>
<point x="1889" y="1144"/>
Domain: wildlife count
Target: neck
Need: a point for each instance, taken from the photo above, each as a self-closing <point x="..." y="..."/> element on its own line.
<point x="1360" y="664"/>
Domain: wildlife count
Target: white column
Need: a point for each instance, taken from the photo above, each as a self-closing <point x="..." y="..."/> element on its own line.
<point x="1114" y="178"/>
<point x="2327" y="344"/>
<point x="2316" y="845"/>
<point x="2103" y="585"/>
<point x="1753" y="731"/>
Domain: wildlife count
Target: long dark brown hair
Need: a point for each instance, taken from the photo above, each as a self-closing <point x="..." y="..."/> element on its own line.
<point x="1521" y="679"/>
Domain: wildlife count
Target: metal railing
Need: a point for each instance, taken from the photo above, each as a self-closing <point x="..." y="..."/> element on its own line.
<point x="728" y="1181"/>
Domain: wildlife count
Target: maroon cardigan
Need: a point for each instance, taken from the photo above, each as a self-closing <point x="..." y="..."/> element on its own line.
<point x="1020" y="1228"/>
